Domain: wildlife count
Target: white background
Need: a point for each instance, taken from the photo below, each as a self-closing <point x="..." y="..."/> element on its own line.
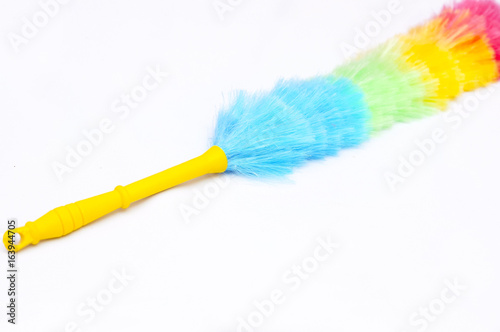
<point x="396" y="248"/>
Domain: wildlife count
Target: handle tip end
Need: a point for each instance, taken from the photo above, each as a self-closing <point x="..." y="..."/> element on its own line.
<point x="25" y="238"/>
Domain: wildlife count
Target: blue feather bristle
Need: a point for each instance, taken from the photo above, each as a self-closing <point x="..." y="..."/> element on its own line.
<point x="270" y="133"/>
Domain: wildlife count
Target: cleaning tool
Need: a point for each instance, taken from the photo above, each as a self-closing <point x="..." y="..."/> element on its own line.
<point x="270" y="133"/>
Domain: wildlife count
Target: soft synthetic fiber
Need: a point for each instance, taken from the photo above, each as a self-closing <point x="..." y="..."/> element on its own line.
<point x="393" y="91"/>
<point x="269" y="133"/>
<point x="489" y="11"/>
<point x="409" y="77"/>
<point x="422" y="47"/>
<point x="464" y="35"/>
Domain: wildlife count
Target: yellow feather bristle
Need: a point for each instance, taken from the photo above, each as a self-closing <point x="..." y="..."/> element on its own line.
<point x="420" y="47"/>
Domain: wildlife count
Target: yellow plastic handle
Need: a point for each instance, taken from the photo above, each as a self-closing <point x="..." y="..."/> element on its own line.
<point x="68" y="218"/>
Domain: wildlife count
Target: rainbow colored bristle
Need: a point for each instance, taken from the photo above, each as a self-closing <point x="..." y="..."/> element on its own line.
<point x="465" y="36"/>
<point x="409" y="77"/>
<point x="489" y="12"/>
<point x="422" y="71"/>
<point x="394" y="90"/>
